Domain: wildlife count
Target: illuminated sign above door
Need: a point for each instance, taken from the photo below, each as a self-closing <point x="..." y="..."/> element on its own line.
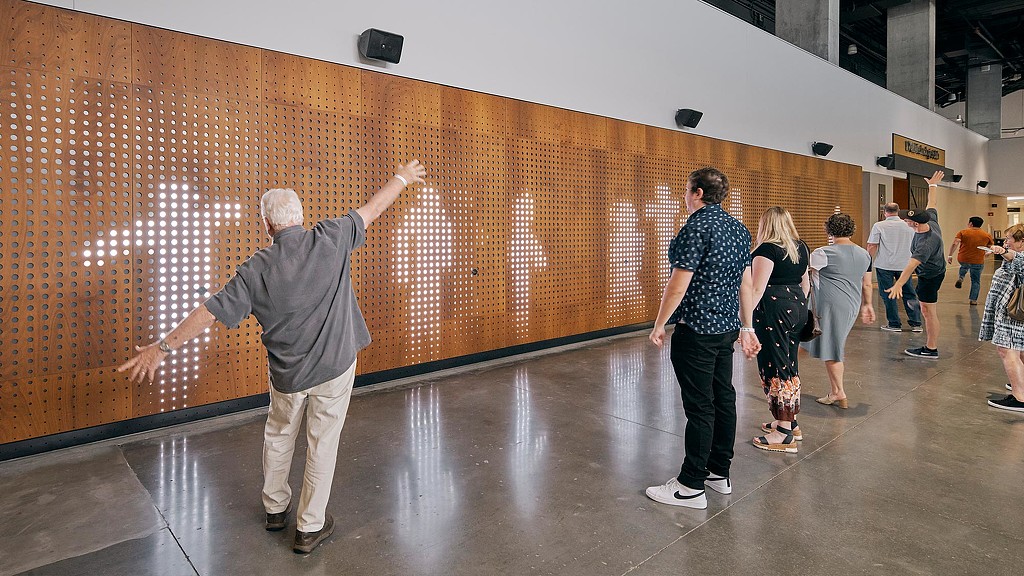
<point x="903" y="146"/>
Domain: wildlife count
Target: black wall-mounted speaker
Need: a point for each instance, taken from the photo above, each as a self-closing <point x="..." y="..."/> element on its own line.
<point x="686" y="118"/>
<point x="380" y="45"/>
<point x="958" y="177"/>
<point x="821" y="148"/>
<point x="982" y="183"/>
<point x="886" y="161"/>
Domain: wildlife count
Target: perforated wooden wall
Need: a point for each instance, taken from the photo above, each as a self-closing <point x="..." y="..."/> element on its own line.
<point x="133" y="160"/>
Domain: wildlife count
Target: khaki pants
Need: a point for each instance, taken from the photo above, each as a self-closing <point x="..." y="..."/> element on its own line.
<point x="325" y="416"/>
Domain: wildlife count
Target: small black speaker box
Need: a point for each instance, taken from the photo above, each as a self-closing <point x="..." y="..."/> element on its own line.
<point x="821" y="148"/>
<point x="688" y="118"/>
<point x="380" y="45"/>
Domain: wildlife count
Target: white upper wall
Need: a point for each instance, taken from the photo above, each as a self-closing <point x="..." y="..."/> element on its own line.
<point x="1011" y="113"/>
<point x="636" y="61"/>
<point x="1007" y="159"/>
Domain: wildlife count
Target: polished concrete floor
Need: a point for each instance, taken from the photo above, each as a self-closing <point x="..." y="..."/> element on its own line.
<point x="538" y="466"/>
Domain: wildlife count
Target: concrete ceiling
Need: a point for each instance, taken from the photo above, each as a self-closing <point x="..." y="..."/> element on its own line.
<point x="968" y="33"/>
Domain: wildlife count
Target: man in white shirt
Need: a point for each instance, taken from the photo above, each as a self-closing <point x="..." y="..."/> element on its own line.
<point x="889" y="246"/>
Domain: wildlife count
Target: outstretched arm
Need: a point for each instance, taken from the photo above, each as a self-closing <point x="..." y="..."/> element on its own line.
<point x="1007" y="253"/>
<point x="411" y="173"/>
<point x="896" y="292"/>
<point x="149" y="357"/>
<point x="933" y="185"/>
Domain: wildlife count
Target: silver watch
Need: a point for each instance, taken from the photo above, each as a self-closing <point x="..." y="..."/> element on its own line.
<point x="164" y="347"/>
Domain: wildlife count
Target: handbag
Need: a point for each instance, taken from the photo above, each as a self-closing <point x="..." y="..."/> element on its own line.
<point x="812" y="329"/>
<point x="1015" y="305"/>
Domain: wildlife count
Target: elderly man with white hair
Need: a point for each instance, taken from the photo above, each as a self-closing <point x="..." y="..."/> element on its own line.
<point x="299" y="289"/>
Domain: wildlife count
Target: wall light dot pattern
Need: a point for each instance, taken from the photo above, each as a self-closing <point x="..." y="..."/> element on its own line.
<point x="131" y="165"/>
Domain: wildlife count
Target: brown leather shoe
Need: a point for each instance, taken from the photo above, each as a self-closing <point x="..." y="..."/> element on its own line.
<point x="306" y="541"/>
<point x="278" y="521"/>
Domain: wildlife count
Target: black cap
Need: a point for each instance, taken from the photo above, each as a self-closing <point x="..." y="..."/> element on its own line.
<point x="919" y="216"/>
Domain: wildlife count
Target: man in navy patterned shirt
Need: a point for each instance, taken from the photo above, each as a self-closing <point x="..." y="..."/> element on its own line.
<point x="710" y="299"/>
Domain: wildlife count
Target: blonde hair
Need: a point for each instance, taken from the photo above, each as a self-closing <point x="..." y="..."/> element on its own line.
<point x="1016" y="232"/>
<point x="776" y="227"/>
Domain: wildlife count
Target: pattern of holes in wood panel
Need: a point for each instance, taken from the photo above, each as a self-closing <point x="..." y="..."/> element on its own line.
<point x="166" y="60"/>
<point x="64" y="42"/>
<point x="310" y="84"/>
<point x="570" y="225"/>
<point x="64" y="191"/>
<point x="626" y="203"/>
<point x="662" y="181"/>
<point x="314" y="152"/>
<point x="58" y="402"/>
<point x="428" y="245"/>
<point x="234" y="373"/>
<point x="198" y="177"/>
<point x="536" y="222"/>
<point x="437" y="257"/>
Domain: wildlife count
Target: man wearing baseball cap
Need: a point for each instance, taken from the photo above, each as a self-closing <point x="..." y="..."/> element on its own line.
<point x="926" y="257"/>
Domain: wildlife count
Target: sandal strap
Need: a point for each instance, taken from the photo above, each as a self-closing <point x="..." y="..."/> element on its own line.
<point x="789" y="435"/>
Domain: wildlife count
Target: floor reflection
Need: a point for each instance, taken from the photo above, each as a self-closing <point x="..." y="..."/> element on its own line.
<point x="626" y="401"/>
<point x="180" y="493"/>
<point x="527" y="474"/>
<point x="426" y="498"/>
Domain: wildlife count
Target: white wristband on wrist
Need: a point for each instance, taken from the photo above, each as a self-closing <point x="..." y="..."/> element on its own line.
<point x="745" y="329"/>
<point x="933" y="185"/>
<point x="404" y="181"/>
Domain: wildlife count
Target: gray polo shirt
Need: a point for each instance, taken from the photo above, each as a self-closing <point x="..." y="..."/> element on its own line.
<point x="927" y="249"/>
<point x="893" y="237"/>
<point x="300" y="291"/>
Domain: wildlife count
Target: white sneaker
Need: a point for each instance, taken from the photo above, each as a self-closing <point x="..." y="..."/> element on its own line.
<point x="718" y="484"/>
<point x="675" y="494"/>
<point x="917" y="329"/>
<point x="1009" y="387"/>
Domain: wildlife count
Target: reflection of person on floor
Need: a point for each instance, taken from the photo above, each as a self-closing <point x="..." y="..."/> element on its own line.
<point x="971" y="259"/>
<point x="841" y="278"/>
<point x="1005" y="332"/>
<point x="707" y="296"/>
<point x="779" y="268"/>
<point x="926" y="258"/>
<point x="300" y="291"/>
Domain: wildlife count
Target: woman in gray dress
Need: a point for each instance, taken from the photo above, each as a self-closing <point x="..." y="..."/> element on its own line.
<point x="841" y="279"/>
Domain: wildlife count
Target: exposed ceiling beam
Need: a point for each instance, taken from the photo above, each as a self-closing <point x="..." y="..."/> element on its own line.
<point x="983" y="33"/>
<point x="870" y="10"/>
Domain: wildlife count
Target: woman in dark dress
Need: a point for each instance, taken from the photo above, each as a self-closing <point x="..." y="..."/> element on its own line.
<point x="779" y="267"/>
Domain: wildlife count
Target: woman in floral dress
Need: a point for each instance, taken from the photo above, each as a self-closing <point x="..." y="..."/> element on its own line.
<point x="779" y="269"/>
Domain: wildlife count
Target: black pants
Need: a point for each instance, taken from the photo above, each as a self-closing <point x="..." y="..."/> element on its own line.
<point x="703" y="366"/>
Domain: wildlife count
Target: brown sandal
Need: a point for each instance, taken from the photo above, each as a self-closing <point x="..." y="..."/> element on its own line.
<point x="828" y="400"/>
